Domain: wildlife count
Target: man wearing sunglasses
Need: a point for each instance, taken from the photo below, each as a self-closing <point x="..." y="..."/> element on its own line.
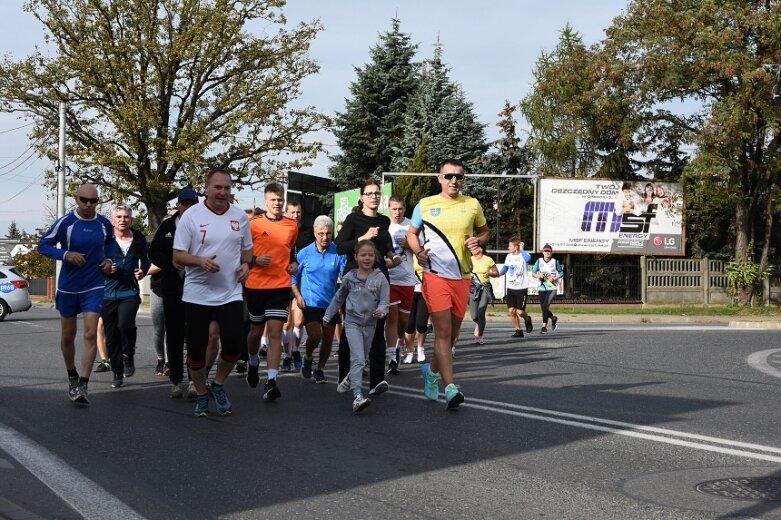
<point x="445" y="230"/>
<point x="83" y="237"/>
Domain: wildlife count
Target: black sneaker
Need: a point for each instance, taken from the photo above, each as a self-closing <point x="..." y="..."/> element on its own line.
<point x="79" y="394"/>
<point x="118" y="380"/>
<point x="297" y="363"/>
<point x="271" y="391"/>
<point x="306" y="368"/>
<point x="529" y="326"/>
<point x="252" y="375"/>
<point x="517" y="334"/>
<point x="73" y="382"/>
<point x="130" y="366"/>
<point x="241" y="367"/>
<point x="320" y="377"/>
<point x="553" y="321"/>
<point x="393" y="367"/>
<point x="287" y="365"/>
<point x="544" y="330"/>
<point x="380" y="388"/>
<point x="103" y="366"/>
<point x="263" y="350"/>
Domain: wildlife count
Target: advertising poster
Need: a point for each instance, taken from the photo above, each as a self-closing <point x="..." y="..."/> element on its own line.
<point x="604" y="216"/>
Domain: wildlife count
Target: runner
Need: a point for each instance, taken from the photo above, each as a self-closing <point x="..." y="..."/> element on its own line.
<point x="548" y="271"/>
<point x="515" y="266"/>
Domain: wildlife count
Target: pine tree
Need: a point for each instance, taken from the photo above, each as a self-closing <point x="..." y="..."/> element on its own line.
<point x="371" y="126"/>
<point x="415" y="188"/>
<point x="13" y="232"/>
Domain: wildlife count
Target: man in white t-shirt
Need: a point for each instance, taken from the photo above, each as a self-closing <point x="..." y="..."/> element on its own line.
<point x="402" y="283"/>
<point x="213" y="242"/>
<point x="515" y="267"/>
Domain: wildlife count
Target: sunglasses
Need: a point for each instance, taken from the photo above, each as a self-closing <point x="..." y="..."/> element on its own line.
<point x="372" y="194"/>
<point x="453" y="176"/>
<point x="87" y="200"/>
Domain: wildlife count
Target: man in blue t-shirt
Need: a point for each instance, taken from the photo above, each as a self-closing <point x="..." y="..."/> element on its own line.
<point x="82" y="236"/>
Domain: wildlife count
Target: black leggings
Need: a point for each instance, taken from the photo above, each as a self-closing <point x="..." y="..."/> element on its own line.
<point x="119" y="323"/>
<point x="546" y="298"/>
<point x="418" y="315"/>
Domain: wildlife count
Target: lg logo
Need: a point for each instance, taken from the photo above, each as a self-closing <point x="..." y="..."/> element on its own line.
<point x="669" y="241"/>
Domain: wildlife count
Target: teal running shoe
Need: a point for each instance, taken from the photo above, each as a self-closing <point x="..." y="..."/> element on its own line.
<point x="453" y="397"/>
<point x="201" y="405"/>
<point x="430" y="382"/>
<point x="217" y="392"/>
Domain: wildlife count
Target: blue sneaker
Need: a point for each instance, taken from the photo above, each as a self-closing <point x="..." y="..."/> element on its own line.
<point x="306" y="368"/>
<point x="130" y="366"/>
<point x="453" y="397"/>
<point x="217" y="392"/>
<point x="297" y="361"/>
<point x="430" y="382"/>
<point x="201" y="405"/>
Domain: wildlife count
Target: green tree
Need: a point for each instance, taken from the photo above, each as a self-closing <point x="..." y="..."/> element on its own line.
<point x="369" y="129"/>
<point x="712" y="53"/>
<point x="415" y="188"/>
<point x="34" y="265"/>
<point x="13" y="232"/>
<point x="158" y="91"/>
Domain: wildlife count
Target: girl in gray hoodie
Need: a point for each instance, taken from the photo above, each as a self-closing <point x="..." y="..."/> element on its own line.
<point x="365" y="295"/>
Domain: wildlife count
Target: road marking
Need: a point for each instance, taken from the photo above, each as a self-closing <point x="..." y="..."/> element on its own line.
<point x="758" y="361"/>
<point x="31" y="324"/>
<point x="639" y="431"/>
<point x="86" y="497"/>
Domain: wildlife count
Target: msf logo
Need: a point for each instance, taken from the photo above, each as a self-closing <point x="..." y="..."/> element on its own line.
<point x="604" y="214"/>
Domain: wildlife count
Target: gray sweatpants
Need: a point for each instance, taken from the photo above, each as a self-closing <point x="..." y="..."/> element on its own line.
<point x="359" y="337"/>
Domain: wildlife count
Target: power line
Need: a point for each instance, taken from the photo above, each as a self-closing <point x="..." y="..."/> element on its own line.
<point x="17" y="128"/>
<point x="26" y="159"/>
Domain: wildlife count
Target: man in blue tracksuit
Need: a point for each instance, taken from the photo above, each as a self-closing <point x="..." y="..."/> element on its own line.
<point x="122" y="296"/>
<point x="314" y="285"/>
<point x="83" y="237"/>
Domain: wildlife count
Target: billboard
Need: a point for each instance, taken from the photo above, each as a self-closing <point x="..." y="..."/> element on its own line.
<point x="345" y="201"/>
<point x="604" y="216"/>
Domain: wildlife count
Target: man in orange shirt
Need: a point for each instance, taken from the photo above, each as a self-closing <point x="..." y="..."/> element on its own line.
<point x="268" y="285"/>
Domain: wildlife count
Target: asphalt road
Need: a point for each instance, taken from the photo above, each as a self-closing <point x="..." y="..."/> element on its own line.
<point x="595" y="420"/>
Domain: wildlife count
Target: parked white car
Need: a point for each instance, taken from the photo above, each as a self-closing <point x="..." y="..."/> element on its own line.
<point x="14" y="292"/>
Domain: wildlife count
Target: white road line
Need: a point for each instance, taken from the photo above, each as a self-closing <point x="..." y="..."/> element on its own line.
<point x="758" y="361"/>
<point x="85" y="496"/>
<point x="31" y="324"/>
<point x="651" y="433"/>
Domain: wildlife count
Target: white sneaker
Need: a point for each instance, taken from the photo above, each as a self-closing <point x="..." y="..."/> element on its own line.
<point x="360" y="403"/>
<point x="421" y="355"/>
<point x="408" y="358"/>
<point x="192" y="393"/>
<point x="344" y="385"/>
<point x="176" y="391"/>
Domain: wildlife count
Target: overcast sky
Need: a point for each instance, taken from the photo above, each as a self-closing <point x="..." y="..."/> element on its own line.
<point x="490" y="47"/>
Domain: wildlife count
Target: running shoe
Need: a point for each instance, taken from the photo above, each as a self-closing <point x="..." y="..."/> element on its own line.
<point x="271" y="391"/>
<point x="287" y="365"/>
<point x="517" y="334"/>
<point x="360" y="403"/>
<point x="479" y="340"/>
<point x="118" y="380"/>
<point x="306" y="368"/>
<point x="79" y="394"/>
<point x="544" y="330"/>
<point x="408" y="358"/>
<point x="130" y="366"/>
<point x="160" y="367"/>
<point x="430" y="382"/>
<point x="201" y="406"/>
<point x="176" y="391"/>
<point x="320" y="377"/>
<point x="421" y="355"/>
<point x="297" y="362"/>
<point x="344" y="385"/>
<point x="167" y="369"/>
<point x="252" y="375"/>
<point x="103" y="366"/>
<point x="379" y="388"/>
<point x="453" y="397"/>
<point x="217" y="392"/>
<point x="73" y="382"/>
<point x="553" y="321"/>
<point x="241" y="367"/>
<point x="192" y="393"/>
<point x="529" y="326"/>
<point x="393" y="367"/>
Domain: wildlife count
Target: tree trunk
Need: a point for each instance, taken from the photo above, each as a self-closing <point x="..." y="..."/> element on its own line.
<point x="743" y="227"/>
